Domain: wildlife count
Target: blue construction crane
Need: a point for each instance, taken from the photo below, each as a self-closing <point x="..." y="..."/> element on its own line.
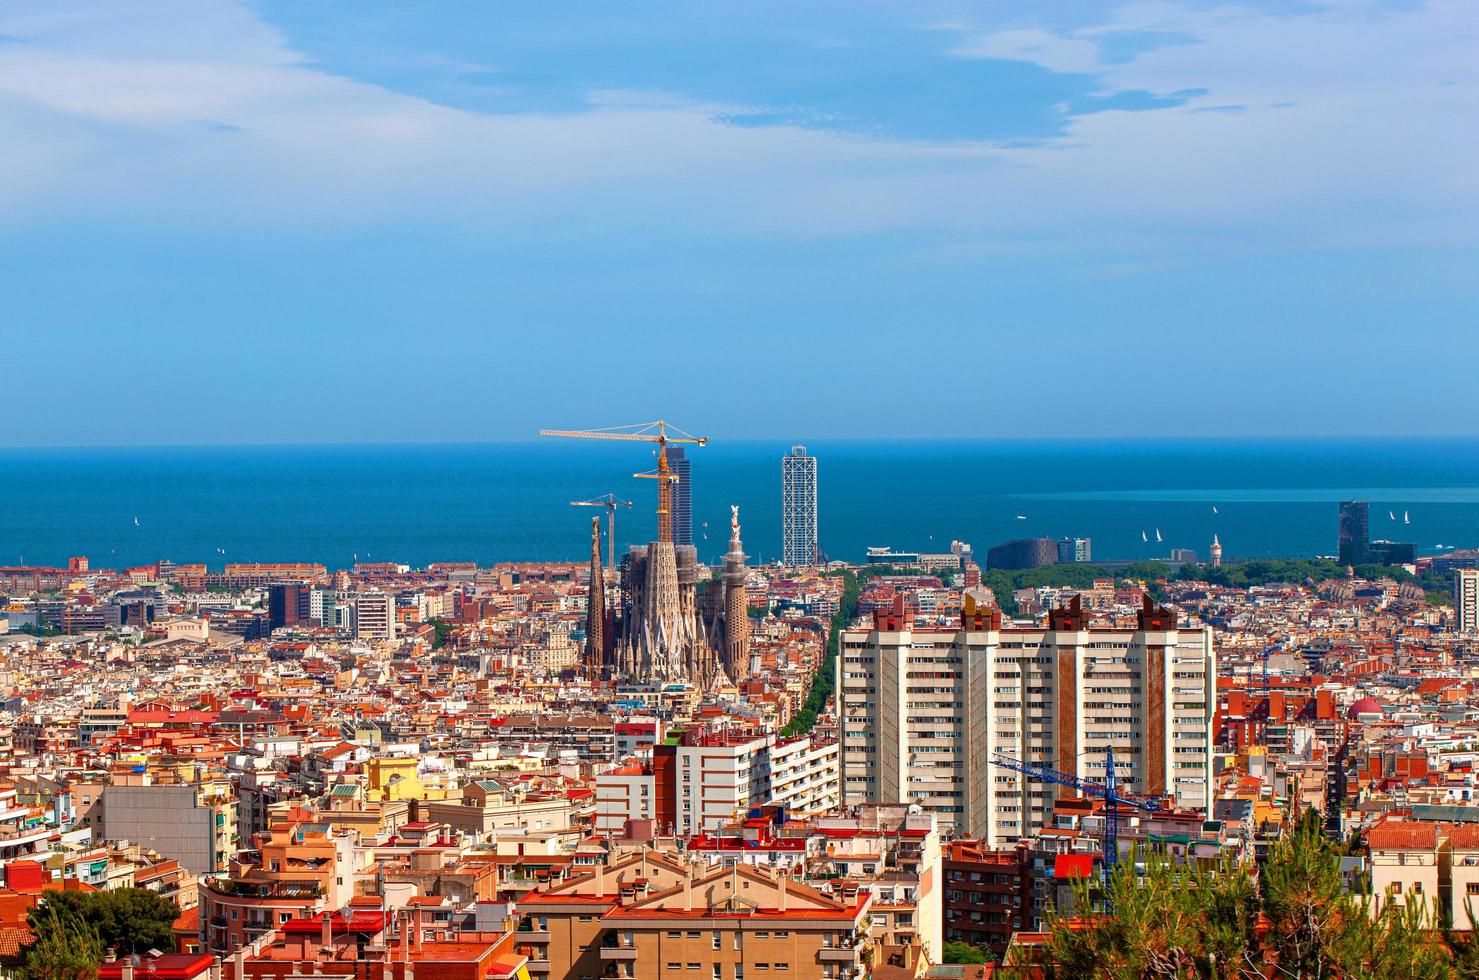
<point x="1107" y="792"/>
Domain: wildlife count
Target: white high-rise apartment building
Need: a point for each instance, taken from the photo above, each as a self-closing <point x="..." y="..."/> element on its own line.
<point x="798" y="508"/>
<point x="1466" y="598"/>
<point x="925" y="710"/>
<point x="374" y="615"/>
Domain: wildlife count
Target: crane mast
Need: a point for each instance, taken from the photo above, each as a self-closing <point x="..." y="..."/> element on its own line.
<point x="1108" y="792"/>
<point x="608" y="501"/>
<point x="656" y="432"/>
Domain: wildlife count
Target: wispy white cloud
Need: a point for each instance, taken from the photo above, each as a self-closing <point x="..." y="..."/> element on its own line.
<point x="1053" y="51"/>
<point x="1350" y="116"/>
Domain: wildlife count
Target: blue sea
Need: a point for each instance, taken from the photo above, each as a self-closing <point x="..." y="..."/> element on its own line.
<point x="510" y="501"/>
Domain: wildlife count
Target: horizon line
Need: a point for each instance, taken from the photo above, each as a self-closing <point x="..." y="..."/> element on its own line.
<point x="790" y="440"/>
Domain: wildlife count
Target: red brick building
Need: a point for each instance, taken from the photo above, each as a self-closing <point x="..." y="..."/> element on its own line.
<point x="987" y="894"/>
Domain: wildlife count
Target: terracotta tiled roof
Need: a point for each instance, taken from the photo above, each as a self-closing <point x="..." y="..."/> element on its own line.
<point x="1464" y="836"/>
<point x="1403" y="835"/>
<point x="12" y="940"/>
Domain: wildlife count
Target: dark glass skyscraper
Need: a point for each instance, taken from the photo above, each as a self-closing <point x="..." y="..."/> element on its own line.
<point x="1355" y="531"/>
<point x="681" y="465"/>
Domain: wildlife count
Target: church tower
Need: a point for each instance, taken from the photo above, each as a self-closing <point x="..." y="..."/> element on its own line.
<point x="736" y="604"/>
<point x="1216" y="552"/>
<point x="595" y="606"/>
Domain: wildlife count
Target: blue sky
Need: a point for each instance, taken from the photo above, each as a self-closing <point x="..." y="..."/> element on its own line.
<point x="439" y="221"/>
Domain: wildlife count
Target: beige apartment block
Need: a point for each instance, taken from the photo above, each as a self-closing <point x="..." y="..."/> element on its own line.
<point x="925" y="711"/>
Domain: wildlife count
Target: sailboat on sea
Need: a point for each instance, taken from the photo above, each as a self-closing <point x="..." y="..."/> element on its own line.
<point x="1158" y="534"/>
<point x="1143" y="536"/>
<point x="1405" y="518"/>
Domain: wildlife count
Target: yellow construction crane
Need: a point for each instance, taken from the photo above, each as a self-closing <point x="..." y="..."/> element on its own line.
<point x="645" y="432"/>
<point x="609" y="501"/>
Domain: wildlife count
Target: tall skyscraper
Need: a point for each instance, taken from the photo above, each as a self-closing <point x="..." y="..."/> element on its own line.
<point x="1355" y="531"/>
<point x="1466" y="598"/>
<point x="798" y="507"/>
<point x="682" y="467"/>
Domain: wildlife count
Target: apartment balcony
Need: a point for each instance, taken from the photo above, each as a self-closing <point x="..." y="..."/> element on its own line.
<point x="532" y="935"/>
<point x="615" y="950"/>
<point x="539" y="968"/>
<point x="847" y="949"/>
<point x="839" y="954"/>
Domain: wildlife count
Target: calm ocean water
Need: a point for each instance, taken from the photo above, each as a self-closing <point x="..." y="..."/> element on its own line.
<point x="498" y="502"/>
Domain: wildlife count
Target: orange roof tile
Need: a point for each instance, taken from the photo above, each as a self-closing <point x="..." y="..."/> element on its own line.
<point x="1403" y="835"/>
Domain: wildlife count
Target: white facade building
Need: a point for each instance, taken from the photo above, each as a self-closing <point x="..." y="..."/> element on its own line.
<point x="710" y="779"/>
<point x="1466" y="598"/>
<point x="374" y="616"/>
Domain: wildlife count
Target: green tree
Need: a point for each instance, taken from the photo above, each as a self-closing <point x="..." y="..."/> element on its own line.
<point x="956" y="952"/>
<point x="130" y="920"/>
<point x="441" y="629"/>
<point x="825" y="679"/>
<point x="65" y="948"/>
<point x="1169" y="921"/>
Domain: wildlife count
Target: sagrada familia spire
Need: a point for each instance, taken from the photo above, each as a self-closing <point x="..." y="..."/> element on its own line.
<point x="663" y="637"/>
<point x="595" y="606"/>
<point x="662" y="633"/>
<point x="735" y="656"/>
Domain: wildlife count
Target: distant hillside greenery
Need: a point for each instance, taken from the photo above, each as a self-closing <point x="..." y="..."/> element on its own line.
<point x="1001" y="582"/>
<point x="1233" y="574"/>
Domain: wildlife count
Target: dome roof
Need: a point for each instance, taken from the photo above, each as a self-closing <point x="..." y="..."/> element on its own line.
<point x="1365" y="706"/>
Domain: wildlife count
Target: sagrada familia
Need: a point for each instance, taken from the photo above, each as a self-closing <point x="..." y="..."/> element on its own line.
<point x="670" y="620"/>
